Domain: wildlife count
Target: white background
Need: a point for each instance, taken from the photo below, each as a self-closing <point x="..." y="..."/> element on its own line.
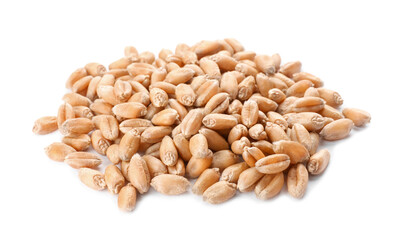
<point x="354" y="46"/>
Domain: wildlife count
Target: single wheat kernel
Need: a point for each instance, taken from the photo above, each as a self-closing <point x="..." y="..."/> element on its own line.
<point x="65" y="112"/>
<point x="182" y="146"/>
<point x="166" y="117"/>
<point x="129" y="145"/>
<point x="155" y="165"/>
<point x="80" y="142"/>
<point x="296" y="151"/>
<point x="311" y="121"/>
<point x="99" y="107"/>
<point x="307" y="76"/>
<point x="337" y="130"/>
<point x="246" y="88"/>
<point x="138" y="173"/>
<point x="92" y="178"/>
<point x="311" y="92"/>
<point x="269" y="186"/>
<point x="81" y="85"/>
<point x="192" y="122"/>
<point x="318" y="162"/>
<point x="217" y="104"/>
<point x="331" y="97"/>
<point x="273" y="163"/>
<point x="113" y="154"/>
<point x="235" y="107"/>
<point x="249" y="113"/>
<point x="168" y="152"/>
<point x="242" y="55"/>
<point x="170" y="184"/>
<point x="219" y="192"/>
<point x="308" y="104"/>
<point x="264" y="103"/>
<point x="300" y="134"/>
<point x="197" y="165"/>
<point x="75" y="126"/>
<point x="169" y="88"/>
<point x="82" y="111"/>
<point x="95" y="69"/>
<point x="198" y="146"/>
<point x="331" y="112"/>
<point x="210" y="68"/>
<point x="299" y="88"/>
<point x="218" y="121"/>
<point x="136" y="123"/>
<point x="265" y="64"/>
<point x="45" y="125"/>
<point x="359" y="117"/>
<point x="215" y="141"/>
<point x="127" y="198"/>
<point x="248" y="179"/>
<point x="231" y="173"/>
<point x="265" y="146"/>
<point x="206" y="179"/>
<point x="185" y="94"/>
<point x="223" y="159"/>
<point x="275" y="132"/>
<point x="205" y="48"/>
<point x="100" y="143"/>
<point x="257" y="132"/>
<point x="289" y="69"/>
<point x="155" y="134"/>
<point x="75" y="99"/>
<point x="114" y="179"/>
<point x="130" y="110"/>
<point x="82" y="160"/>
<point x="58" y="151"/>
<point x="297" y="180"/>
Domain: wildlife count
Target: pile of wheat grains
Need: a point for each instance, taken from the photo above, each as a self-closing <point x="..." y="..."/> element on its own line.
<point x="229" y="118"/>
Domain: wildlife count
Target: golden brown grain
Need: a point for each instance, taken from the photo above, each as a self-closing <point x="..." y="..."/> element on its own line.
<point x="297" y="180"/>
<point x="138" y="173"/>
<point x="223" y="159"/>
<point x="269" y="186"/>
<point x="196" y="112"/>
<point x="359" y="117"/>
<point x="99" y="143"/>
<point x="127" y="198"/>
<point x="206" y="179"/>
<point x="45" y="125"/>
<point x="336" y="130"/>
<point x="248" y="179"/>
<point x="114" y="179"/>
<point x="82" y="160"/>
<point x="219" y="192"/>
<point x="169" y="184"/>
<point x="80" y="142"/>
<point x="318" y="162"/>
<point x="58" y="151"/>
<point x="215" y="141"/>
<point x="168" y="152"/>
<point x="92" y="178"/>
<point x="129" y="145"/>
<point x="273" y="163"/>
